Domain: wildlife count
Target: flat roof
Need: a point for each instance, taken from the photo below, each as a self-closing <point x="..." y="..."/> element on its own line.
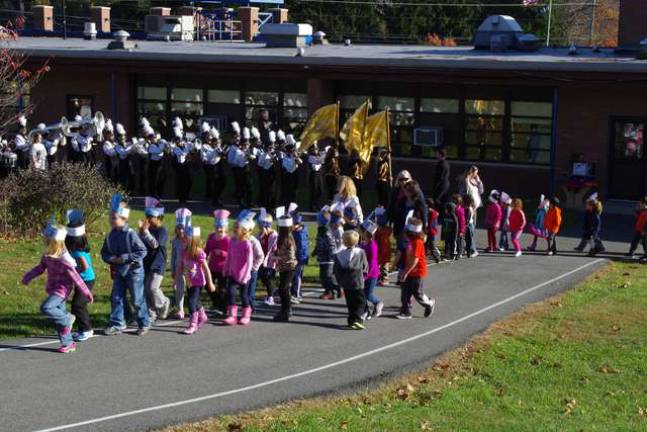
<point x="405" y="56"/>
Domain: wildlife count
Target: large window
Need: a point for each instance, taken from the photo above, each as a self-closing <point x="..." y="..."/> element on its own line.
<point x="530" y="131"/>
<point x="484" y="123"/>
<point x="629" y="141"/>
<point x="402" y="119"/>
<point x="188" y="104"/>
<point x="295" y="112"/>
<point x="257" y="101"/>
<point x="442" y="113"/>
<point x="152" y="104"/>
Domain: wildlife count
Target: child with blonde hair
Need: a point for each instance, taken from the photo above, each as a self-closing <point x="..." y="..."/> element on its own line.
<point x="61" y="279"/>
<point x="268" y="238"/>
<point x="195" y="270"/>
<point x="238" y="269"/>
<point x="350" y="267"/>
<point x="516" y="223"/>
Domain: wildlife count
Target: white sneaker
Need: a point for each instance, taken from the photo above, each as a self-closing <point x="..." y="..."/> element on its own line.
<point x="269" y="301"/>
<point x="518" y="254"/>
<point x="474" y="254"/>
<point x="550" y="253"/>
<point x="378" y="309"/>
<point x="164" y="313"/>
<point x="82" y="336"/>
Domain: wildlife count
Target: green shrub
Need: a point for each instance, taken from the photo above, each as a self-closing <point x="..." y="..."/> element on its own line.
<point x="28" y="198"/>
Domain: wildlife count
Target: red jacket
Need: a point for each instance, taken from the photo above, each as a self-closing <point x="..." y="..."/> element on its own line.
<point x="432" y="223"/>
<point x="517" y="220"/>
<point x="641" y="220"/>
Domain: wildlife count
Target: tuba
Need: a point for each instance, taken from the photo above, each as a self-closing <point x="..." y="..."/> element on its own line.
<point x="62" y="125"/>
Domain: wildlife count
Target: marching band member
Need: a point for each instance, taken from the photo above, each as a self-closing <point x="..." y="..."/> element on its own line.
<point x="330" y="172"/>
<point x="9" y="159"/>
<point x="384" y="180"/>
<point x="139" y="156"/>
<point x="357" y="171"/>
<point x="82" y="143"/>
<point x="266" y="173"/>
<point x="110" y="158"/>
<point x="264" y="125"/>
<point x="156" y="174"/>
<point x="239" y="162"/>
<point x="51" y="142"/>
<point x="21" y="145"/>
<point x="211" y="155"/>
<point x="315" y="162"/>
<point x="183" y="179"/>
<point x="290" y="162"/>
<point x="123" y="148"/>
<point x="207" y="158"/>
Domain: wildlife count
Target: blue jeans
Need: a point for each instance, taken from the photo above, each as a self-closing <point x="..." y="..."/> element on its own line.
<point x="503" y="239"/>
<point x="296" y="280"/>
<point x="251" y="287"/>
<point x="54" y="308"/>
<point x="470" y="239"/>
<point x="133" y="282"/>
<point x="369" y="290"/>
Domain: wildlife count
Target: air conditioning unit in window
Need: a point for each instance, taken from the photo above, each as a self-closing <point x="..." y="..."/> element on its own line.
<point x="428" y="136"/>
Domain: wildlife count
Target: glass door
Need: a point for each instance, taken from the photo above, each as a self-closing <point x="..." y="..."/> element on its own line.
<point x="628" y="161"/>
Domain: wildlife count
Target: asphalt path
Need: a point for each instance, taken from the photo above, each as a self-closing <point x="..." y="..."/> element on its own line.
<point x="131" y="383"/>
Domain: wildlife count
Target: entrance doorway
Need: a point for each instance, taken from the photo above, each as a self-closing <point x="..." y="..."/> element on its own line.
<point x="628" y="164"/>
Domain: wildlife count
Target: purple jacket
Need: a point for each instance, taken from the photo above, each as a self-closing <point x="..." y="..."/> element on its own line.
<point x="493" y="215"/>
<point x="61" y="277"/>
<point x="370" y="249"/>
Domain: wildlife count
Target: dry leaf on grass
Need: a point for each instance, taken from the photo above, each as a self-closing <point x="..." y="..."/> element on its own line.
<point x="642" y="412"/>
<point x="425" y="426"/>
<point x="606" y="369"/>
<point x="343" y="425"/>
<point x="569" y="406"/>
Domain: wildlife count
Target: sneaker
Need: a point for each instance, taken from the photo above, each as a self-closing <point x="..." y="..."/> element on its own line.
<point x="143" y="330"/>
<point x="378" y="309"/>
<point x="518" y="254"/>
<point x="365" y="316"/>
<point x="631" y="256"/>
<point x="165" y="310"/>
<point x="269" y="301"/>
<point x="327" y="296"/>
<point x="429" y="309"/>
<point x="403" y="316"/>
<point x="64" y="349"/>
<point x="114" y="330"/>
<point x="474" y="254"/>
<point x="295" y="300"/>
<point x="357" y="326"/>
<point x="549" y="253"/>
<point x="82" y="336"/>
<point x="179" y="315"/>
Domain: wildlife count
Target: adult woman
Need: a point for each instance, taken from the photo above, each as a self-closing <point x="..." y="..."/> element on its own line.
<point x="346" y="198"/>
<point x="473" y="186"/>
<point x="397" y="203"/>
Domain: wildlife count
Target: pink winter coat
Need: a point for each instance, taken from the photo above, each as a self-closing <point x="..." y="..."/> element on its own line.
<point x="493" y="215"/>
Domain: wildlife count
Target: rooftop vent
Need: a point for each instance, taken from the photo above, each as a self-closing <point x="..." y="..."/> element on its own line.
<point x="121" y="41"/>
<point x="501" y="33"/>
<point x="287" y="35"/>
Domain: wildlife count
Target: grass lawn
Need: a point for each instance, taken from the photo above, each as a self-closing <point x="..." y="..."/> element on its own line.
<point x="20" y="305"/>
<point x="575" y="362"/>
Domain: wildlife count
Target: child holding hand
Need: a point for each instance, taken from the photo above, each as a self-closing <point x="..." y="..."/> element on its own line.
<point x="217" y="250"/>
<point x="517" y="222"/>
<point x="493" y="216"/>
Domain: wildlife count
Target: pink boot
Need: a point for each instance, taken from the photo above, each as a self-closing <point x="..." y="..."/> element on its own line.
<point x="232" y="316"/>
<point x="193" y="324"/>
<point x="247" y="316"/>
<point x="202" y="318"/>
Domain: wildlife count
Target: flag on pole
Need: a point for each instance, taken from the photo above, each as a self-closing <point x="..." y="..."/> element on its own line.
<point x="377" y="132"/>
<point x="324" y="123"/>
<point x="355" y="128"/>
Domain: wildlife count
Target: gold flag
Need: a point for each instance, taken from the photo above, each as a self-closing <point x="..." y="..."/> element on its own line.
<point x="324" y="123"/>
<point x="377" y="131"/>
<point x="355" y="128"/>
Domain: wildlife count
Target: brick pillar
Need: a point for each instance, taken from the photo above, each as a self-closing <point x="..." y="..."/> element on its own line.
<point x="43" y="17"/>
<point x="632" y="25"/>
<point x="279" y="15"/>
<point x="320" y="92"/>
<point x="160" y="11"/>
<point x="249" y="21"/>
<point x="101" y="17"/>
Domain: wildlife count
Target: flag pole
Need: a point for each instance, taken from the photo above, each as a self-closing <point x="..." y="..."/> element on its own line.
<point x="550" y="18"/>
<point x="388" y="145"/>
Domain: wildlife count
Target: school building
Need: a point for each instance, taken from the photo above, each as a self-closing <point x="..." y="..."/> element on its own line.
<point x="530" y="119"/>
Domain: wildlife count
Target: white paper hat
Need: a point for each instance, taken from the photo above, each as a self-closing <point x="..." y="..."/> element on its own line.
<point x="54" y="231"/>
<point x="235" y="127"/>
<point x="272" y="137"/>
<point x="280" y="135"/>
<point x="289" y="140"/>
<point x="284" y="221"/>
<point x="214" y="133"/>
<point x="256" y="134"/>
<point x="143" y="122"/>
<point x="153" y="207"/>
<point x="412" y="227"/>
<point x="192" y="231"/>
<point x="369" y="226"/>
<point x="246" y="133"/>
<point x="109" y="126"/>
<point x="183" y="217"/>
<point x="204" y="127"/>
<point x="75" y="217"/>
<point x="246" y="219"/>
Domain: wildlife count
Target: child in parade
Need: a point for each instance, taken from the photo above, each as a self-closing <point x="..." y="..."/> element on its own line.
<point x="302" y="242"/>
<point x="193" y="267"/>
<point x="182" y="216"/>
<point x="505" y="201"/>
<point x="383" y="240"/>
<point x="268" y="239"/>
<point x="552" y="224"/>
<point x="124" y="252"/>
<point x="493" y="216"/>
<point x="537" y="228"/>
<point x="286" y="263"/>
<point x="462" y="224"/>
<point x="432" y="230"/>
<point x="62" y="277"/>
<point x="350" y="269"/>
<point x="217" y="250"/>
<point x="517" y="223"/>
<point x="238" y="269"/>
<point x="325" y="250"/>
<point x="414" y="272"/>
<point x="451" y="230"/>
<point x="258" y="258"/>
<point x="77" y="245"/>
<point x="640" y="229"/>
<point x="336" y="232"/>
<point x="369" y="245"/>
<point x="155" y="237"/>
<point x="592" y="226"/>
<point x="470" y="234"/>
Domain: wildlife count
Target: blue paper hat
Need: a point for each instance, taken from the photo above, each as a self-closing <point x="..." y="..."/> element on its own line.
<point x="183" y="217"/>
<point x="246" y="219"/>
<point x="74" y="217"/>
<point x="381" y="217"/>
<point x="265" y="218"/>
<point x="323" y="216"/>
<point x="153" y="207"/>
<point x="118" y="206"/>
<point x="54" y="231"/>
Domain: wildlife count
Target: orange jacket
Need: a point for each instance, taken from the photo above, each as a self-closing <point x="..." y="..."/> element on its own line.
<point x="553" y="220"/>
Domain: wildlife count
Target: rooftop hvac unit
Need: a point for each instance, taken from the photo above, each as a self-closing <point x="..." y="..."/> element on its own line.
<point x="161" y="27"/>
<point x="428" y="136"/>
